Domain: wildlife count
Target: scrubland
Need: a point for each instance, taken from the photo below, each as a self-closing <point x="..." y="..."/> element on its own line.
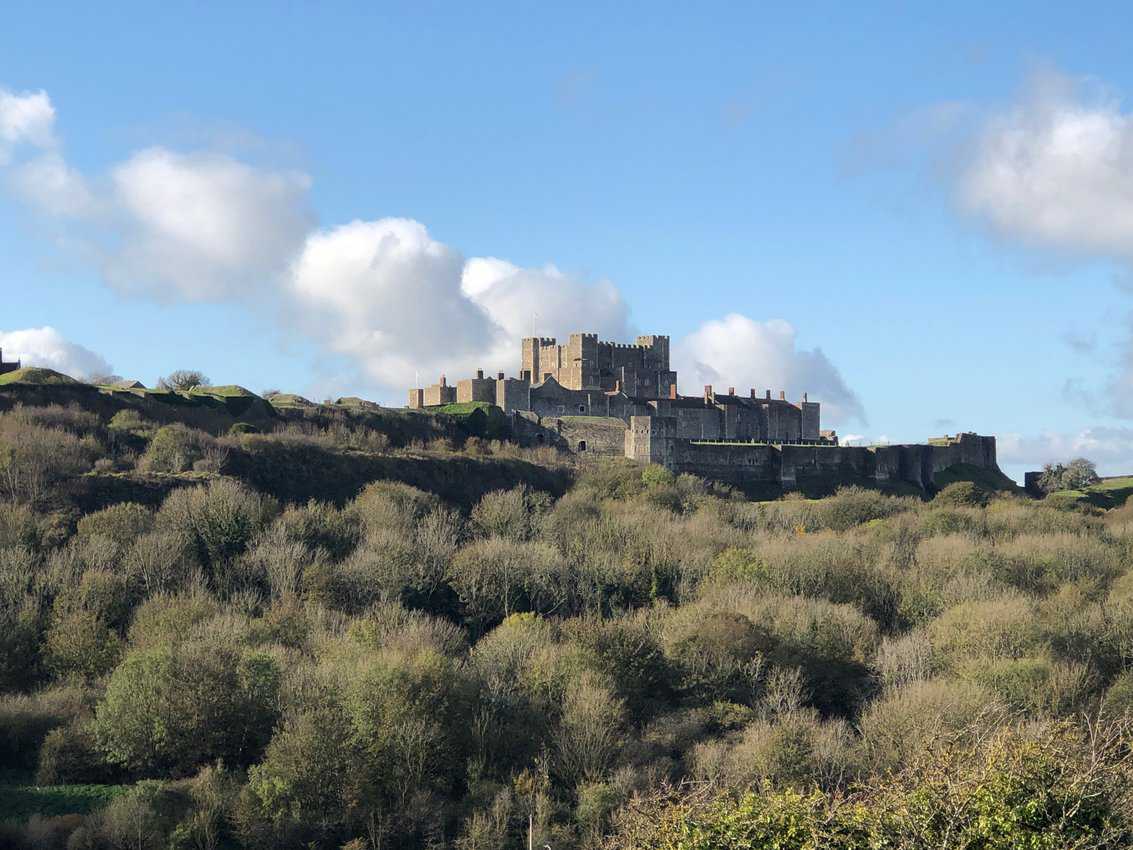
<point x="634" y="660"/>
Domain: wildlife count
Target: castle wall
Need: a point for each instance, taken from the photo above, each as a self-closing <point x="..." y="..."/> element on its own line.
<point x="513" y="394"/>
<point x="439" y="394"/>
<point x="476" y="389"/>
<point x="810" y="420"/>
<point x="657" y="439"/>
<point x="416" y="398"/>
<point x="592" y="435"/>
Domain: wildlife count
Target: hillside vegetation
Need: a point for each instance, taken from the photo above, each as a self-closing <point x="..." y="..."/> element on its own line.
<point x="313" y="633"/>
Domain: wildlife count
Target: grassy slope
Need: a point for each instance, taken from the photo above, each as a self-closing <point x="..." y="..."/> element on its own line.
<point x="1107" y="493"/>
<point x="31" y="376"/>
<point x="989" y="479"/>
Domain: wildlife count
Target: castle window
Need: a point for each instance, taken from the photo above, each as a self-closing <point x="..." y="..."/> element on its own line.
<point x="582" y="445"/>
<point x="582" y="408"/>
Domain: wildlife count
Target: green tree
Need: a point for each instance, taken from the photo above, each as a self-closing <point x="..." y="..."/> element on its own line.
<point x="176" y="707"/>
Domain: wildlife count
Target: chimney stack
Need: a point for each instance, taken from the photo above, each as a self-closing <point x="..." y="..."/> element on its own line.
<point x="769" y="395"/>
<point x="444" y="381"/>
<point x="731" y="390"/>
<point x="709" y="396"/>
<point x="782" y="395"/>
<point x="499" y="376"/>
<point x="479" y="374"/>
<point x="672" y="391"/>
<point x="753" y="392"/>
<point x="804" y="398"/>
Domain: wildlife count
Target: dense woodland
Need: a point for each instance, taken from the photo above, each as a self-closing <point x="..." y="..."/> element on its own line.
<point x="631" y="661"/>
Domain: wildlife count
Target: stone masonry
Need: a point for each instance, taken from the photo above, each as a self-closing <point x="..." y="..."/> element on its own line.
<point x="628" y="394"/>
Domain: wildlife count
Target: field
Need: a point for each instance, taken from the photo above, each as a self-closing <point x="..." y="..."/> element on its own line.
<point x="369" y="629"/>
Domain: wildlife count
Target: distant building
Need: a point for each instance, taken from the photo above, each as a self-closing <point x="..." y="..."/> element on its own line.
<point x="605" y="398"/>
<point x="589" y="377"/>
<point x="7" y="367"/>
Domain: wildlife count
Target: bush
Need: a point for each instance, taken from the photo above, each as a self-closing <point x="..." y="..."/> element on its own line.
<point x="962" y="494"/>
<point x="33" y="459"/>
<point x="27" y="719"/>
<point x="174" y="448"/>
<point x="70" y="756"/>
<point x="514" y="514"/>
<point x="174" y="708"/>
<point x="220" y="519"/>
<point x="122" y="523"/>
<point x="495" y="578"/>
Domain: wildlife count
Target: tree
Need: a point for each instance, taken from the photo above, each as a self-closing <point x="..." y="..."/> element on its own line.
<point x="174" y="708"/>
<point x="183" y="380"/>
<point x="1080" y="472"/>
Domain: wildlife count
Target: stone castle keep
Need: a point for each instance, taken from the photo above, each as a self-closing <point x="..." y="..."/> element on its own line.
<point x="614" y="399"/>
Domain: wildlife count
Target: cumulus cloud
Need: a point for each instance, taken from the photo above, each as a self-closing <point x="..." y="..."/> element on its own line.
<point x="1111" y="448"/>
<point x="204" y="226"/>
<point x="741" y="352"/>
<point x="541" y="302"/>
<point x="388" y="295"/>
<point x="46" y="347"/>
<point x="399" y="302"/>
<point x="382" y="293"/>
<point x="26" y="118"/>
<point x="195" y="226"/>
<point x="1056" y="171"/>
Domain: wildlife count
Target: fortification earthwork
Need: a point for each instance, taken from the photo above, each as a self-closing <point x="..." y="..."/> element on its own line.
<point x="613" y="399"/>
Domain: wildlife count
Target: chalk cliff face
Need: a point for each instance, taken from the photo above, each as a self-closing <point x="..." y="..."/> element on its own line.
<point x="652" y="439"/>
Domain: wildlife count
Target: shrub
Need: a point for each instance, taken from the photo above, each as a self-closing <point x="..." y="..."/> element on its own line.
<point x="962" y="494"/>
<point x="178" y="707"/>
<point x="392" y="506"/>
<point x="33" y="459"/>
<point x="514" y="514"/>
<point x="589" y="733"/>
<point x="495" y="578"/>
<point x="174" y="448"/>
<point x="318" y="525"/>
<point x="899" y="725"/>
<point x="70" y="756"/>
<point x="122" y="523"/>
<point x="26" y="720"/>
<point x="79" y="642"/>
<point x="220" y="518"/>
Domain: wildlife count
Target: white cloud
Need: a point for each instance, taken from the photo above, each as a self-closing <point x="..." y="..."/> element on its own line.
<point x="383" y="293"/>
<point x="740" y="352"/>
<point x="203" y="226"/>
<point x="27" y="118"/>
<point x="541" y="302"/>
<point x="46" y="347"/>
<point x="48" y="183"/>
<point x="389" y="296"/>
<point x="1111" y="448"/>
<point x="1056" y="171"/>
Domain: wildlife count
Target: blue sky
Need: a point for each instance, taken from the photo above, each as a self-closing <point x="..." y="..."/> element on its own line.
<point x="922" y="216"/>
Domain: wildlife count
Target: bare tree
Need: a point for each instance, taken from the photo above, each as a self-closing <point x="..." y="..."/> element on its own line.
<point x="183" y="379"/>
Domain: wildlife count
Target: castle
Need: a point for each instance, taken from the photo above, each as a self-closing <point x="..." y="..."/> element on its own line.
<point x="7" y="367"/>
<point x="615" y="399"/>
<point x="589" y="377"/>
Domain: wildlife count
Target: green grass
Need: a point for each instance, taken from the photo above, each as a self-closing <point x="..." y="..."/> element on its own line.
<point x="988" y="479"/>
<point x="290" y="400"/>
<point x="20" y="802"/>
<point x="37" y="377"/>
<point x="462" y="408"/>
<point x="1107" y="493"/>
<point x="226" y="391"/>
